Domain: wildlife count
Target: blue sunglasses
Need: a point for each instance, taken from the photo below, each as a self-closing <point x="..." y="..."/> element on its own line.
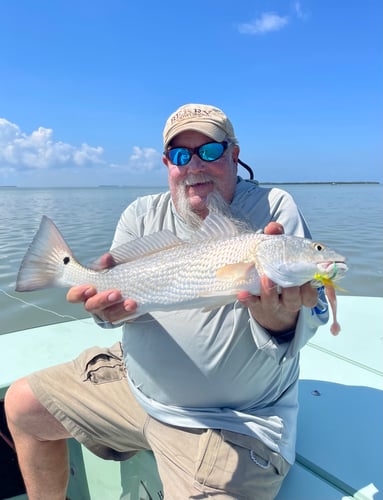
<point x="210" y="151"/>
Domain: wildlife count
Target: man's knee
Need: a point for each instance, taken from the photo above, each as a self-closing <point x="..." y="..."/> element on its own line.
<point x="26" y="414"/>
<point x="20" y="401"/>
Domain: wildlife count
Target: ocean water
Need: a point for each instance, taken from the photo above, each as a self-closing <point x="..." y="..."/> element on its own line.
<point x="347" y="217"/>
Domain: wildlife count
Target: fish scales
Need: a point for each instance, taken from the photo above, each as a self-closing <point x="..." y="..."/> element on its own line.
<point x="177" y="274"/>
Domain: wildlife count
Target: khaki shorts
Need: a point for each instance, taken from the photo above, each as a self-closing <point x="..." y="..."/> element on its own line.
<point x="91" y="398"/>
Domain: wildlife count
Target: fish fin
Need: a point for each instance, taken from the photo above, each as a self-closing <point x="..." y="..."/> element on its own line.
<point x="243" y="276"/>
<point x="45" y="259"/>
<point x="238" y="272"/>
<point x="216" y="226"/>
<point x="140" y="247"/>
<point x="217" y="299"/>
<point x="229" y="300"/>
<point x="228" y="295"/>
<point x="213" y="227"/>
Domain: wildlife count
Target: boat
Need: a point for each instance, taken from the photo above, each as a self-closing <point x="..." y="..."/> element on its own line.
<point x="339" y="452"/>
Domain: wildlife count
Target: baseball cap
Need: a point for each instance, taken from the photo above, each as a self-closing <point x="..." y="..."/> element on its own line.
<point x="208" y="120"/>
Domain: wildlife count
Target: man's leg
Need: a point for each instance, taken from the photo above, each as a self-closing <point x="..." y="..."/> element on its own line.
<point x="40" y="442"/>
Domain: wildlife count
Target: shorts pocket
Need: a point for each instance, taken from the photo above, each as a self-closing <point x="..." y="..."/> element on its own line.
<point x="238" y="465"/>
<point x="259" y="453"/>
<point x="103" y="365"/>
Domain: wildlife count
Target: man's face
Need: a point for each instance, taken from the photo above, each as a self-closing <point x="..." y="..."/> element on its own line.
<point x="192" y="184"/>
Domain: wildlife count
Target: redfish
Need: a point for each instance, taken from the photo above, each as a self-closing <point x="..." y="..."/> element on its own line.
<point x="163" y="272"/>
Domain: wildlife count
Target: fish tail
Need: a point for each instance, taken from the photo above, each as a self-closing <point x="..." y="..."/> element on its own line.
<point x="44" y="263"/>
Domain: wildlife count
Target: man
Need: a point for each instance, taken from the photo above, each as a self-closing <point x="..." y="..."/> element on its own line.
<point x="213" y="394"/>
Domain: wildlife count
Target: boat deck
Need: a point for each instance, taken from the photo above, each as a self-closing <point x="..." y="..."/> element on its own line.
<point x="340" y="426"/>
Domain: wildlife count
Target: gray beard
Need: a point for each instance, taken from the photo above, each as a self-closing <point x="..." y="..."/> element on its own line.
<point x="215" y="204"/>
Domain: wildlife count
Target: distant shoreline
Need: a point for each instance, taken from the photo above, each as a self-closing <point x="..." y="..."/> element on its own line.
<point x="116" y="186"/>
<point x="320" y="182"/>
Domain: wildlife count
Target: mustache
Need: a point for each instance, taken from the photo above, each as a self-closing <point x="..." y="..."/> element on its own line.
<point x="196" y="179"/>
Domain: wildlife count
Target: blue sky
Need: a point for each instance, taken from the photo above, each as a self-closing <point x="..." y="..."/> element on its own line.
<point x="86" y="86"/>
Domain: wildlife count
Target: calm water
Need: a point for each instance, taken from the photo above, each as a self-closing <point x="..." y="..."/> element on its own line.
<point x="347" y="217"/>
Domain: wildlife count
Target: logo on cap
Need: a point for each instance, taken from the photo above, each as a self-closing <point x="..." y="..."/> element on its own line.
<point x="190" y="114"/>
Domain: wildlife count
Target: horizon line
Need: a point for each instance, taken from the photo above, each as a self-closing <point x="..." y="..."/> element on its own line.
<point x="111" y="186"/>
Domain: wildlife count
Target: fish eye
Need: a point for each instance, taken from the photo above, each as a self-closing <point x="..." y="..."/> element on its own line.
<point x="66" y="260"/>
<point x="318" y="246"/>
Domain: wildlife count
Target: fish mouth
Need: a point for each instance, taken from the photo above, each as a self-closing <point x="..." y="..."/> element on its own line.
<point x="332" y="270"/>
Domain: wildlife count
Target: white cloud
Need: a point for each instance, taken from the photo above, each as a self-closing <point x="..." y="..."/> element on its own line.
<point x="299" y="12"/>
<point x="38" y="150"/>
<point x="146" y="158"/>
<point x="268" y="21"/>
<point x="142" y="160"/>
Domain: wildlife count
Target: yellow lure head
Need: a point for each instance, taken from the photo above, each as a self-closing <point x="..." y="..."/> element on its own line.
<point x="326" y="281"/>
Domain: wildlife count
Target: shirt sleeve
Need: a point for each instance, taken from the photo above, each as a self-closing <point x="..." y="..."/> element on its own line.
<point x="309" y="320"/>
<point x="284" y="210"/>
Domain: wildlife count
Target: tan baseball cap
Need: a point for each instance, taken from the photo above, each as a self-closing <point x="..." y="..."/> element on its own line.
<point x="208" y="120"/>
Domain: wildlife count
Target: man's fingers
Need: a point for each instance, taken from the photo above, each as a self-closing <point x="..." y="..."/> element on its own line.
<point x="291" y="298"/>
<point x="103" y="300"/>
<point x="118" y="311"/>
<point x="274" y="228"/>
<point x="78" y="294"/>
<point x="106" y="261"/>
<point x="309" y="295"/>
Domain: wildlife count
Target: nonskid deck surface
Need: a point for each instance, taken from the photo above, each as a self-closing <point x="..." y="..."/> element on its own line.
<point x="340" y="425"/>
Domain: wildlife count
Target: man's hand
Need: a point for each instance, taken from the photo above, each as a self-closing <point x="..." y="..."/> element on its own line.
<point x="108" y="305"/>
<point x="277" y="309"/>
